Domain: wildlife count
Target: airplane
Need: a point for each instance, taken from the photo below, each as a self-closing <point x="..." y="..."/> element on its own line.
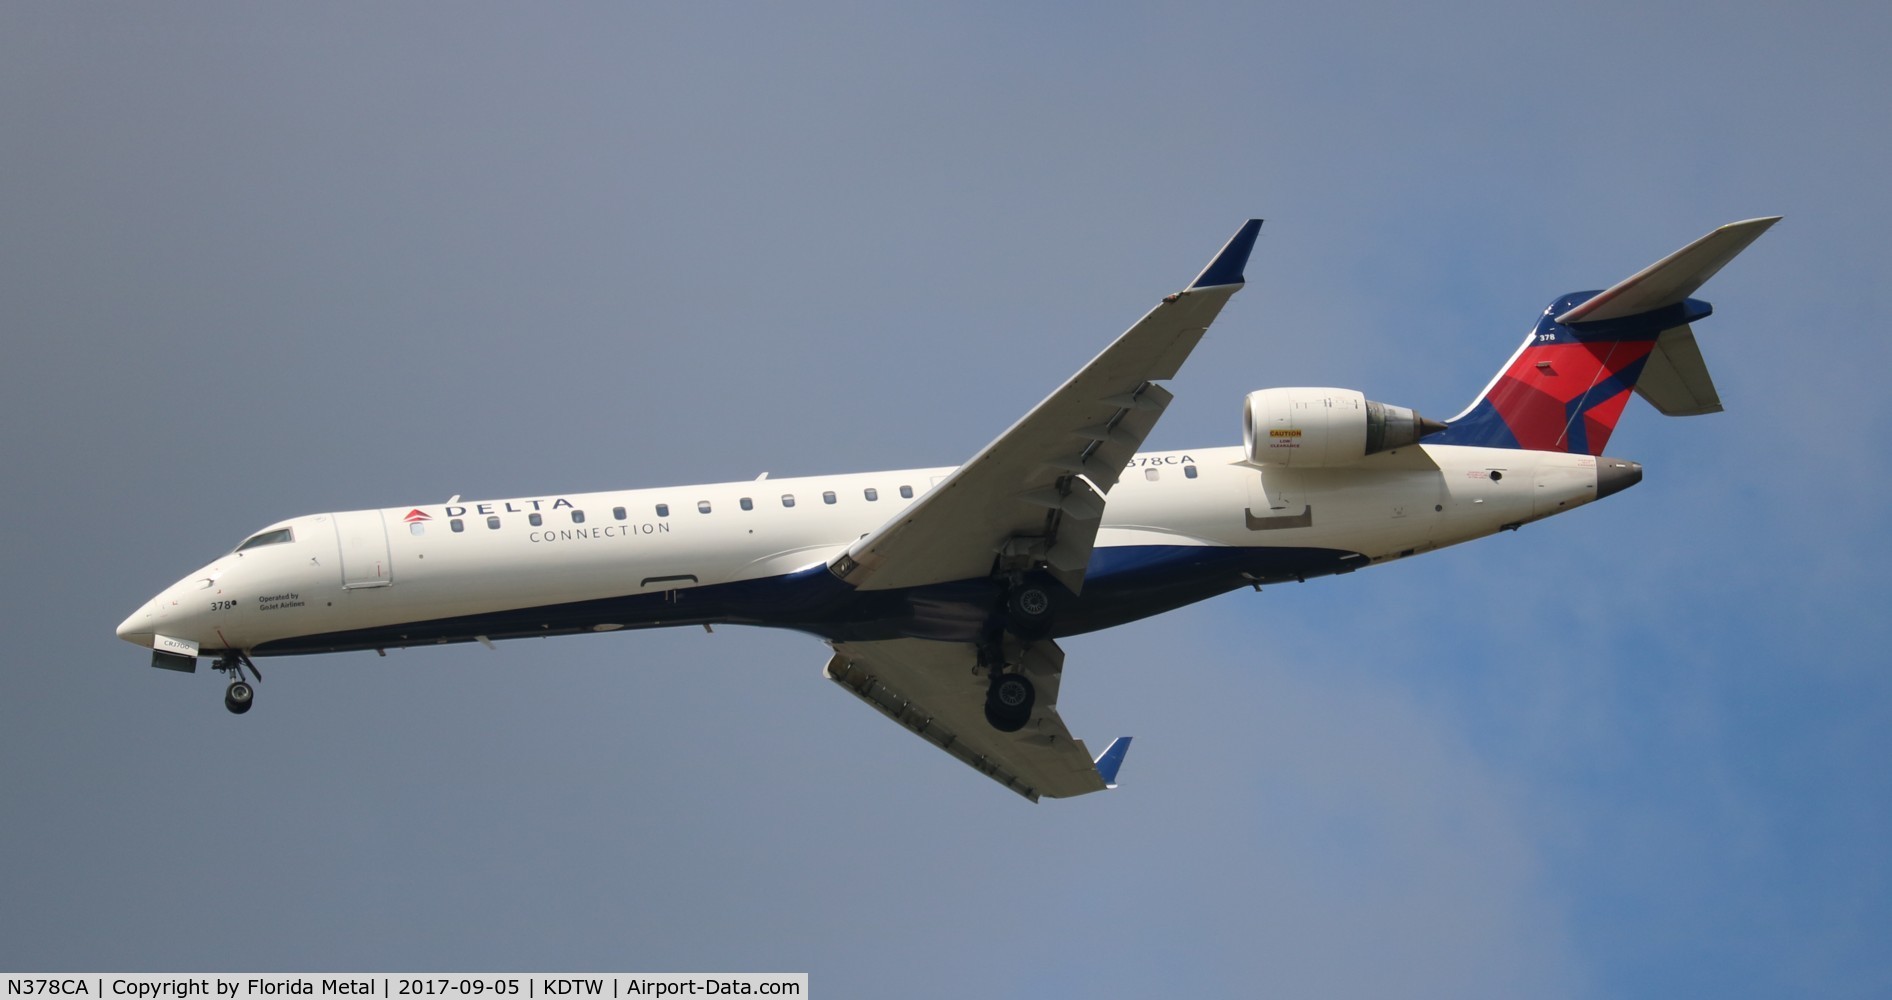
<point x="942" y="592"/>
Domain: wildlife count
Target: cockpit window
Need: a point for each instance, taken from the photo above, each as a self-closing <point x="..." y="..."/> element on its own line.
<point x="276" y="537"/>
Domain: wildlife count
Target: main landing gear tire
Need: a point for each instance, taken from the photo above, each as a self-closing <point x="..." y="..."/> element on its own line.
<point x="238" y="697"/>
<point x="1009" y="702"/>
<point x="1029" y="609"/>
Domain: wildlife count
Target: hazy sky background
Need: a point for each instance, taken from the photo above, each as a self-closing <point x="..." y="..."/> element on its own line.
<point x="261" y="260"/>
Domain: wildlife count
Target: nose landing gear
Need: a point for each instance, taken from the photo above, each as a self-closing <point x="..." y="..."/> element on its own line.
<point x="239" y="696"/>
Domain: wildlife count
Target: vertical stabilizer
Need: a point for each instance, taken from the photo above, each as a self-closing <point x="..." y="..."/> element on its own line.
<point x="1566" y="387"/>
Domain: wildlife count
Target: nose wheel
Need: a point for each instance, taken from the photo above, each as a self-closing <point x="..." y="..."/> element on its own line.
<point x="239" y="696"/>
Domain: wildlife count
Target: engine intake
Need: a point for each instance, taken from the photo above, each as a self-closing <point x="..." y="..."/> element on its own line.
<point x="1311" y="428"/>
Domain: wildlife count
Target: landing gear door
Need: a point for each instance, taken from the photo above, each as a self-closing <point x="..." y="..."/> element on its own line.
<point x="364" y="542"/>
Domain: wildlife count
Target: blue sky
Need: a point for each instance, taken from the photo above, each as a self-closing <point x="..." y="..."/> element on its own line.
<point x="258" y="261"/>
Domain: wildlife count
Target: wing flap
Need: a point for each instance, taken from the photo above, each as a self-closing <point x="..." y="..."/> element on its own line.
<point x="930" y="688"/>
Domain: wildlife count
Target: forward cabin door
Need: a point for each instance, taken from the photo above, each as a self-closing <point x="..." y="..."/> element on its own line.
<point x="364" y="541"/>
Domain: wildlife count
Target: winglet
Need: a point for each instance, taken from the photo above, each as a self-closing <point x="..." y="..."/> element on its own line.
<point x="1227" y="267"/>
<point x="1112" y="758"/>
<point x="1671" y="279"/>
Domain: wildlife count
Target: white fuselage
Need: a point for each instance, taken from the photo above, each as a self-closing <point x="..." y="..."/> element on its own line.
<point x="1179" y="526"/>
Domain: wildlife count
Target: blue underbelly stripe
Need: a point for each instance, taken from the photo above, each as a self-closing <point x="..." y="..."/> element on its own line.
<point x="1124" y="584"/>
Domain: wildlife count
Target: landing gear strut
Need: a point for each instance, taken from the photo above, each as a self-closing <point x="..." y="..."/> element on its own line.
<point x="239" y="696"/>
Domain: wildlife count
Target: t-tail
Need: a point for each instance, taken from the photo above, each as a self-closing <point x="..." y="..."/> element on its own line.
<point x="1566" y="388"/>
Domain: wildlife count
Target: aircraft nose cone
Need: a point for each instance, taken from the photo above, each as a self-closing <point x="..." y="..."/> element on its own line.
<point x="129" y="628"/>
<point x="139" y="627"/>
<point x="1614" y="475"/>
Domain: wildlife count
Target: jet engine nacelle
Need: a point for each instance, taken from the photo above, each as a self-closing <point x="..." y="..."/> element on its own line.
<point x="1315" y="427"/>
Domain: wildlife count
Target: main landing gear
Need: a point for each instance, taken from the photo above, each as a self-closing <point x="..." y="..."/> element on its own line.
<point x="1030" y="608"/>
<point x="239" y="696"/>
<point x="1010" y="696"/>
<point x="1008" y="702"/>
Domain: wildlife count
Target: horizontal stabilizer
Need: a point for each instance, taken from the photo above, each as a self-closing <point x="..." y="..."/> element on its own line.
<point x="1671" y="279"/>
<point x="1675" y="380"/>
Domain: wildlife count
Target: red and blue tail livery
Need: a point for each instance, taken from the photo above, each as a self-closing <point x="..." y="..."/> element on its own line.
<point x="1566" y="387"/>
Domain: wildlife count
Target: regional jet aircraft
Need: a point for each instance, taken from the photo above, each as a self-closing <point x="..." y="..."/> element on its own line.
<point x="942" y="592"/>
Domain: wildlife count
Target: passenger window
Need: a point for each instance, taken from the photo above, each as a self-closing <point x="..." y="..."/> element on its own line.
<point x="536" y="520"/>
<point x="702" y="507"/>
<point x="663" y="510"/>
<point x="906" y="492"/>
<point x="617" y="512"/>
<point x="788" y="499"/>
<point x="416" y="528"/>
<point x="871" y="494"/>
<point x="1189" y="472"/>
<point x="493" y="523"/>
<point x="277" y="537"/>
<point x="1152" y="473"/>
<point x="457" y="525"/>
<point x="827" y="496"/>
<point x="578" y="517"/>
<point x="747" y="504"/>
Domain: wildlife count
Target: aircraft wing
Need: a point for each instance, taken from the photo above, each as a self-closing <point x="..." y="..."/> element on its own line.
<point x="930" y="688"/>
<point x="1025" y="496"/>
